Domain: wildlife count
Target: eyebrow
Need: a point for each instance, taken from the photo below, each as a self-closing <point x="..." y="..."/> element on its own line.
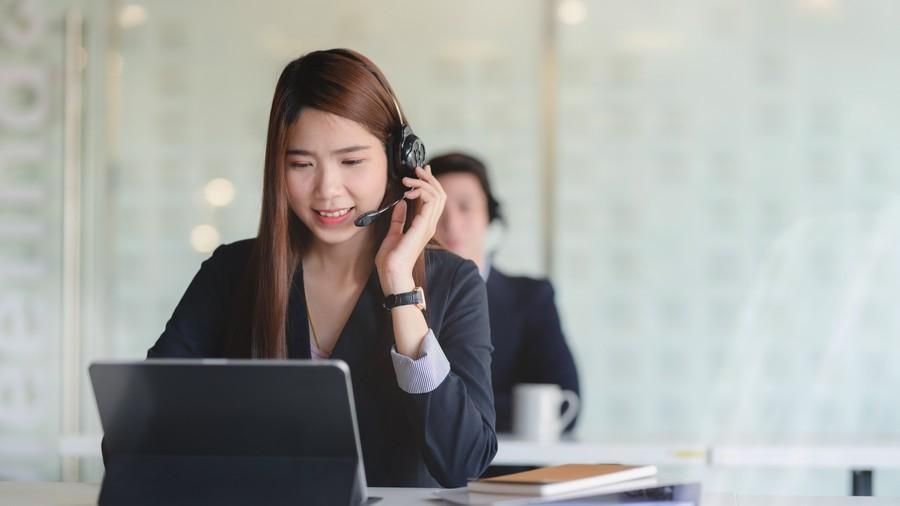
<point x="342" y="151"/>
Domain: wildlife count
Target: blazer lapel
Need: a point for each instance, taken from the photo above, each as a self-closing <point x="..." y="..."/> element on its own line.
<point x="363" y="333"/>
<point x="360" y="337"/>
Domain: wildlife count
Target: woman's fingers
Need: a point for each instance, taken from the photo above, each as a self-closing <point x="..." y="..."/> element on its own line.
<point x="425" y="181"/>
<point x="414" y="182"/>
<point x="427" y="213"/>
<point x="427" y="175"/>
<point x="430" y="194"/>
<point x="398" y="217"/>
<point x="423" y="190"/>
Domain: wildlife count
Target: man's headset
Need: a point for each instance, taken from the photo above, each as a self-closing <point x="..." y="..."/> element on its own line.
<point x="405" y="151"/>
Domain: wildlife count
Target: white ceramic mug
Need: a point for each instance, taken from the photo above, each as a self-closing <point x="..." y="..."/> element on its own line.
<point x="536" y="411"/>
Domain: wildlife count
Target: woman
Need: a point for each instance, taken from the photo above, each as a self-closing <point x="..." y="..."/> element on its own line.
<point x="312" y="284"/>
<point x="529" y="346"/>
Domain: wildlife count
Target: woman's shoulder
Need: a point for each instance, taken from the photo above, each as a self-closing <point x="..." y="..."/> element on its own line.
<point x="230" y="258"/>
<point x="448" y="271"/>
<point x="455" y="292"/>
<point x="234" y="251"/>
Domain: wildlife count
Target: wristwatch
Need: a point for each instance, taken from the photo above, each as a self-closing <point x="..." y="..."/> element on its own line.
<point x="416" y="297"/>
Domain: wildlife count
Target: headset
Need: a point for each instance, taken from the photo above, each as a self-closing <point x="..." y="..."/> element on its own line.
<point x="405" y="151"/>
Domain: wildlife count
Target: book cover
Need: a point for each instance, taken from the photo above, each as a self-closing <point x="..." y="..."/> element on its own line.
<point x="560" y="479"/>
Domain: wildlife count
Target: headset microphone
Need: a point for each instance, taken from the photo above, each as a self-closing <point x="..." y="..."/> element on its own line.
<point x="367" y="218"/>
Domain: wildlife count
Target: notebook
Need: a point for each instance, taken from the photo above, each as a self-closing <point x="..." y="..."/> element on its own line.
<point x="560" y="479"/>
<point x="605" y="492"/>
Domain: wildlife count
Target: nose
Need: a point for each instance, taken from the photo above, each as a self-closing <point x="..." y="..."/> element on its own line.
<point x="329" y="181"/>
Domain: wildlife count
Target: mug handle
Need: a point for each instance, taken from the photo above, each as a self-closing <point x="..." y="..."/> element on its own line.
<point x="574" y="404"/>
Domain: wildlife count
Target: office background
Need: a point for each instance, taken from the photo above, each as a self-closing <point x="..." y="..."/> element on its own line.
<point x="712" y="185"/>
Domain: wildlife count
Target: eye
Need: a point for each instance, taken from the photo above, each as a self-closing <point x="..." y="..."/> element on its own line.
<point x="353" y="161"/>
<point x="299" y="165"/>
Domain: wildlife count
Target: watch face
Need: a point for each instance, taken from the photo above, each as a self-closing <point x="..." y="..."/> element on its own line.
<point x="421" y="296"/>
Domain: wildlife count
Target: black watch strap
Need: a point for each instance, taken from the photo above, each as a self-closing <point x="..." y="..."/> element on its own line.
<point x="415" y="297"/>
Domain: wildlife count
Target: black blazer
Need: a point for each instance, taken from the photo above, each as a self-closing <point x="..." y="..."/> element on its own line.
<point x="412" y="440"/>
<point x="529" y="346"/>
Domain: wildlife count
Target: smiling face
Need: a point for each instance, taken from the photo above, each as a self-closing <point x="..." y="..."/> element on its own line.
<point x="336" y="171"/>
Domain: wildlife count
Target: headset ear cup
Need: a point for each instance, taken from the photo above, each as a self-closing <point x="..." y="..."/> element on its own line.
<point x="415" y="154"/>
<point x="412" y="152"/>
<point x="405" y="152"/>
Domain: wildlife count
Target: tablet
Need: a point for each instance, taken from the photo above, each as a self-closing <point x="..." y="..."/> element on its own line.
<point x="228" y="432"/>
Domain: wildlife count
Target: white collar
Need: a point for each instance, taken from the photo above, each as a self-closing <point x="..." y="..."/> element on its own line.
<point x="485" y="271"/>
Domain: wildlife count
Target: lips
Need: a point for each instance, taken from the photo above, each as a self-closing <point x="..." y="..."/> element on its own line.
<point x="335" y="217"/>
<point x="333" y="213"/>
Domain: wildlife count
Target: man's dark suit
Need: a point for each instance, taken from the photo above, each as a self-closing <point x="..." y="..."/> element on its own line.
<point x="529" y="346"/>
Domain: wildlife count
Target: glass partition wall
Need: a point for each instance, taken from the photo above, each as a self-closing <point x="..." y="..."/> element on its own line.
<point x="711" y="186"/>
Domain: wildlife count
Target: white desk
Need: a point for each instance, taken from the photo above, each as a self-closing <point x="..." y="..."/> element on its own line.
<point x="79" y="494"/>
<point x="512" y="452"/>
<point x="860" y="460"/>
<point x="818" y="456"/>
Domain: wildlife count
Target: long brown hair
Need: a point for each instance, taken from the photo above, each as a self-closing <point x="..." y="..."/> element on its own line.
<point x="347" y="84"/>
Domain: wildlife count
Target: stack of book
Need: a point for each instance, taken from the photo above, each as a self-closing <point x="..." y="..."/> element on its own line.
<point x="552" y="483"/>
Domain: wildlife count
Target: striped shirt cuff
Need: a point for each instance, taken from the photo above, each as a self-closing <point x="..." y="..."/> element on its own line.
<point x="424" y="374"/>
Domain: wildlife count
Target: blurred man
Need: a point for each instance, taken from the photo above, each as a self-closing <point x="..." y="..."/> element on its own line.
<point x="529" y="346"/>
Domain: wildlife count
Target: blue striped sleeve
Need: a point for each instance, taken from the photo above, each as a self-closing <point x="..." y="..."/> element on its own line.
<point x="425" y="373"/>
